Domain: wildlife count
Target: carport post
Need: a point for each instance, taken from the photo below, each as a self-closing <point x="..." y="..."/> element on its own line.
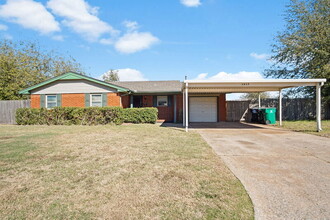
<point x="280" y="106"/>
<point x="318" y="106"/>
<point x="184" y="109"/>
<point x="259" y="100"/>
<point x="186" y="105"/>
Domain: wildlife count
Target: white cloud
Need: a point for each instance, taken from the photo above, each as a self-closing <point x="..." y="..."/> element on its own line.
<point x="82" y="18"/>
<point x="106" y="41"/>
<point x="191" y="3"/>
<point x="131" y="25"/>
<point x="85" y="48"/>
<point x="3" y="27"/>
<point x="58" y="37"/>
<point x="201" y="76"/>
<point x="29" y="14"/>
<point x="262" y="56"/>
<point x="243" y="75"/>
<point x="129" y="74"/>
<point x="135" y="41"/>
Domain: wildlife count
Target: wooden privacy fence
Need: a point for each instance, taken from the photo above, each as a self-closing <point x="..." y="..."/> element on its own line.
<point x="292" y="109"/>
<point x="8" y="110"/>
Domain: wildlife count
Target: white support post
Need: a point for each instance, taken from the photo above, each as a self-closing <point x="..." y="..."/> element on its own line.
<point x="184" y="109"/>
<point x="318" y="107"/>
<point x="280" y="106"/>
<point x="186" y="96"/>
<point x="259" y="100"/>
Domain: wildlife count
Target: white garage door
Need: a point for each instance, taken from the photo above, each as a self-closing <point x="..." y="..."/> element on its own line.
<point x="203" y="109"/>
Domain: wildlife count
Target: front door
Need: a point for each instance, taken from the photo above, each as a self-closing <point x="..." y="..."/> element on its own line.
<point x="137" y="101"/>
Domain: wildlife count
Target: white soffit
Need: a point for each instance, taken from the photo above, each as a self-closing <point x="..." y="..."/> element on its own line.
<point x="248" y="85"/>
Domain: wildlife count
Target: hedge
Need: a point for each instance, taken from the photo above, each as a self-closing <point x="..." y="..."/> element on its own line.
<point x="84" y="116"/>
<point x="140" y="115"/>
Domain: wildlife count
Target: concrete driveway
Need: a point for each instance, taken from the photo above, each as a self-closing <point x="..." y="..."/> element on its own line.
<point x="287" y="174"/>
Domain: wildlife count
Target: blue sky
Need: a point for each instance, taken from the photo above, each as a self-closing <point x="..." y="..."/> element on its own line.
<point x="152" y="40"/>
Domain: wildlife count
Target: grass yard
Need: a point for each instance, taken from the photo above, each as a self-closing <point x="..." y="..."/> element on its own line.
<point x="308" y="127"/>
<point x="114" y="172"/>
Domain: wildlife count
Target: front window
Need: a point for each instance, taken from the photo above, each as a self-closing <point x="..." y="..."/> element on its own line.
<point x="51" y="101"/>
<point x="162" y="101"/>
<point x="96" y="100"/>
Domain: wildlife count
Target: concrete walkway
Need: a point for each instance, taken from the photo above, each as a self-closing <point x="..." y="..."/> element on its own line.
<point x="286" y="174"/>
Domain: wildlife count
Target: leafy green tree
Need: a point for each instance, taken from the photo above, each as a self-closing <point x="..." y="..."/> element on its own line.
<point x="23" y="64"/>
<point x="110" y="76"/>
<point x="254" y="96"/>
<point x="302" y="50"/>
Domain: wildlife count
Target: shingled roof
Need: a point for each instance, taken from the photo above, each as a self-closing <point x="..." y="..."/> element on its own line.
<point x="173" y="86"/>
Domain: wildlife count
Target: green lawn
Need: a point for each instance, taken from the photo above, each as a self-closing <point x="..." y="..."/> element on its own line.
<point x="308" y="127"/>
<point x="116" y="172"/>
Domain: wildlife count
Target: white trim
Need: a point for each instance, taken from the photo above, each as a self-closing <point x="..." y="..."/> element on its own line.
<point x="46" y="101"/>
<point x="259" y="81"/>
<point x="187" y="105"/>
<point x="280" y="106"/>
<point x="90" y="99"/>
<point x="242" y="86"/>
<point x="318" y="107"/>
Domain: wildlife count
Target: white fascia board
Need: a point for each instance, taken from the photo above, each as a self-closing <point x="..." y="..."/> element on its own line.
<point x="258" y="81"/>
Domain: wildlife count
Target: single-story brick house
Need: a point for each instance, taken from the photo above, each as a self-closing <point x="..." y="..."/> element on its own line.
<point x="188" y="101"/>
<point x="76" y="90"/>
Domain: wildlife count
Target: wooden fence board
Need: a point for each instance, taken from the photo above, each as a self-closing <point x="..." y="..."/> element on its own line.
<point x="8" y="110"/>
<point x="293" y="109"/>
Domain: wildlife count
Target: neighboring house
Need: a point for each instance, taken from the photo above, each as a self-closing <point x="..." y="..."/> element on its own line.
<point x="76" y="90"/>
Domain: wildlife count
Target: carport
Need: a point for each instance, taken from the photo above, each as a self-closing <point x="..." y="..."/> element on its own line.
<point x="204" y="88"/>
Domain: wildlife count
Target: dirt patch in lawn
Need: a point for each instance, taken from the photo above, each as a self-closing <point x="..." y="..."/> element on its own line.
<point x="117" y="172"/>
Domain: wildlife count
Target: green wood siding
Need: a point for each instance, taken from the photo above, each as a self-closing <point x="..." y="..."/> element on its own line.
<point x="87" y="99"/>
<point x="59" y="100"/>
<point x="104" y="99"/>
<point x="42" y="101"/>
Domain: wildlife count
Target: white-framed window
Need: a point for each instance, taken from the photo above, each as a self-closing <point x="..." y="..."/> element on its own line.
<point x="96" y="100"/>
<point x="162" y="100"/>
<point x="51" y="101"/>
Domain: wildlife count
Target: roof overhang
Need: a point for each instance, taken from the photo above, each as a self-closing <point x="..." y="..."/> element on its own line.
<point x="247" y="86"/>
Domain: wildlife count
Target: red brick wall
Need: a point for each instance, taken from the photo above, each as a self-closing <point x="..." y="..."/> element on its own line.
<point x="179" y="108"/>
<point x="73" y="100"/>
<point x="78" y="100"/>
<point x="166" y="113"/>
<point x="35" y="101"/>
<point x="147" y="101"/>
<point x="125" y="101"/>
<point x="113" y="99"/>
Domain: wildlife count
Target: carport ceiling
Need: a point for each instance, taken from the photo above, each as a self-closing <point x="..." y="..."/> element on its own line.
<point x="241" y="86"/>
